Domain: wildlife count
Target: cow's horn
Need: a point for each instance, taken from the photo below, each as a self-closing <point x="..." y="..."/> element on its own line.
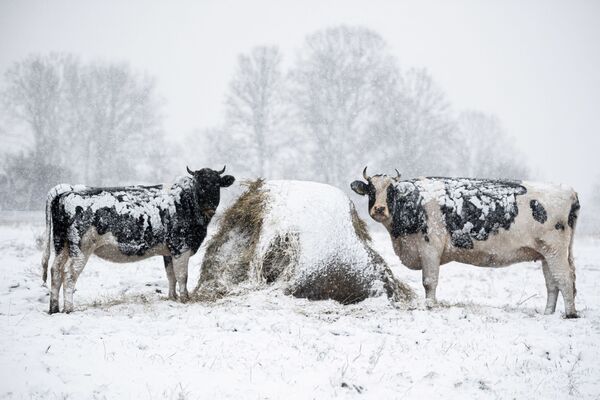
<point x="189" y="170"/>
<point x="365" y="174"/>
<point x="223" y="170"/>
<point x="397" y="172"/>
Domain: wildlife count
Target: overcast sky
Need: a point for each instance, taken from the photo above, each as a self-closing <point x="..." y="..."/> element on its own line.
<point x="535" y="64"/>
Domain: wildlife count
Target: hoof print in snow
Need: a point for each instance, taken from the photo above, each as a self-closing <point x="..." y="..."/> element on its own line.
<point x="358" y="388"/>
<point x="304" y="237"/>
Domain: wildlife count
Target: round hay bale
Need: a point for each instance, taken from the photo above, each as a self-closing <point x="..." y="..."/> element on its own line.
<point x="305" y="237"/>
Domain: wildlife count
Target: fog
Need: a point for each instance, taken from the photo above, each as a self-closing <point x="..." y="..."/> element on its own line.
<point x="512" y="88"/>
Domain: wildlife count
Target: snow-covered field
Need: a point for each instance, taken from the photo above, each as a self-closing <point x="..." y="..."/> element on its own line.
<point x="125" y="340"/>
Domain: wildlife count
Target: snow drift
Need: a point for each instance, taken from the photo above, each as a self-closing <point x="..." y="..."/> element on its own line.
<point x="303" y="237"/>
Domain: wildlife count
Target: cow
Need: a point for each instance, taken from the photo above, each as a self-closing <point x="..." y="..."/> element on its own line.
<point x="488" y="223"/>
<point x="125" y="224"/>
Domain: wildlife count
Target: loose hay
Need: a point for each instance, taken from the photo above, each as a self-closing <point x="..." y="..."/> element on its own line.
<point x="305" y="237"/>
<point x="231" y="250"/>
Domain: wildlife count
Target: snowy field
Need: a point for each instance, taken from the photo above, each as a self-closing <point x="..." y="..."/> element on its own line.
<point x="125" y="340"/>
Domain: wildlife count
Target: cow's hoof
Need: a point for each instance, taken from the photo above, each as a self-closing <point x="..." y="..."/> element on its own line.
<point x="548" y="311"/>
<point x="173" y="296"/>
<point x="184" y="297"/>
<point x="53" y="307"/>
<point x="572" y="315"/>
<point x="430" y="303"/>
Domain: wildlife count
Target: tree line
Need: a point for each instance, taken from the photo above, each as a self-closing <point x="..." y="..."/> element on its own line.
<point x="81" y="122"/>
<point x="343" y="103"/>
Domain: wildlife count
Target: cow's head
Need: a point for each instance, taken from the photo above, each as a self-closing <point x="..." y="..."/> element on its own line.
<point x="208" y="183"/>
<point x="379" y="189"/>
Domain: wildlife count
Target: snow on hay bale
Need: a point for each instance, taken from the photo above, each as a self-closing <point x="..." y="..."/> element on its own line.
<point x="305" y="237"/>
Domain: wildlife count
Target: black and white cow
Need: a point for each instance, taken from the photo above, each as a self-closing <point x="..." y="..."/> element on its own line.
<point x="124" y="224"/>
<point x="487" y="223"/>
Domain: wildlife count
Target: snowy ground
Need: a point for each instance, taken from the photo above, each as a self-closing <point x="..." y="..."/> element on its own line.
<point x="125" y="340"/>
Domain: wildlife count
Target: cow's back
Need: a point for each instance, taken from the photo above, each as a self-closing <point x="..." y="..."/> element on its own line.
<point x="494" y="222"/>
<point x="135" y="218"/>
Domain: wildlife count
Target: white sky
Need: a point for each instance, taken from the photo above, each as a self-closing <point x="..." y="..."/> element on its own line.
<point x="535" y="64"/>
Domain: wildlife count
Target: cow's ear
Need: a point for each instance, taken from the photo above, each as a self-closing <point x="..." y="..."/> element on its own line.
<point x="359" y="187"/>
<point x="227" y="180"/>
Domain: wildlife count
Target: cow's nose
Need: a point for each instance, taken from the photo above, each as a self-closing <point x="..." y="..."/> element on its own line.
<point x="209" y="212"/>
<point x="379" y="210"/>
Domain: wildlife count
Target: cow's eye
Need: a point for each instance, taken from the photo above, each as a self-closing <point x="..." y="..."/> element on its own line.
<point x="390" y="194"/>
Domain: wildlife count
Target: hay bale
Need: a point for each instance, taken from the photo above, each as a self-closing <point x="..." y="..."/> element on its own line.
<point x="305" y="237"/>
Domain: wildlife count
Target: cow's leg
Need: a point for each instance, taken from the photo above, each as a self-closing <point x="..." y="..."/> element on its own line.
<point x="73" y="269"/>
<point x="171" y="277"/>
<point x="180" y="267"/>
<point x="56" y="276"/>
<point x="559" y="267"/>
<point x="551" y="289"/>
<point x="430" y="261"/>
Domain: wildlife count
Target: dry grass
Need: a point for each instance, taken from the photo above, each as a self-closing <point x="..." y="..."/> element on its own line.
<point x="244" y="219"/>
<point x="105" y="302"/>
<point x="280" y="258"/>
<point x="336" y="280"/>
<point x="360" y="226"/>
<point x="246" y="214"/>
<point x="395" y="289"/>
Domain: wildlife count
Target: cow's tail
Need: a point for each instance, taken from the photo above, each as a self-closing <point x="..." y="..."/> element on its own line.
<point x="52" y="194"/>
<point x="572" y="221"/>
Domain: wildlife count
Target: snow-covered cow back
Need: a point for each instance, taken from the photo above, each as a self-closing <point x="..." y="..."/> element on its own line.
<point x="140" y="218"/>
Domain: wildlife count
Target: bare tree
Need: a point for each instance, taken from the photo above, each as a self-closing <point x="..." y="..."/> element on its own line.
<point x="33" y="98"/>
<point x="123" y="120"/>
<point x="256" y="116"/>
<point x="100" y="123"/>
<point x="335" y="86"/>
<point x="34" y="103"/>
<point x="486" y="150"/>
<point x="414" y="126"/>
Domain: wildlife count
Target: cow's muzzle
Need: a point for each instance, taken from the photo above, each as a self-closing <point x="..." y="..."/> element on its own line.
<point x="379" y="213"/>
<point x="209" y="212"/>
